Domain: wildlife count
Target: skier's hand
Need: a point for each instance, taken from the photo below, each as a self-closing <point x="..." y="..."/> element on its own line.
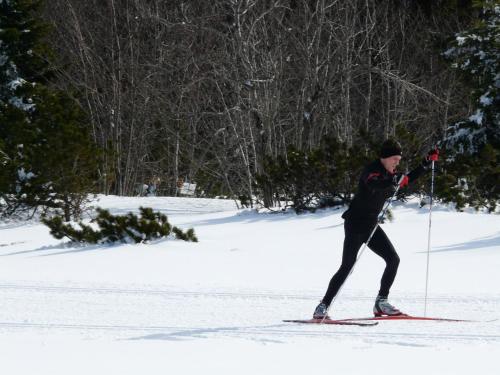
<point x="404" y="181"/>
<point x="433" y="155"/>
<point x="400" y="179"/>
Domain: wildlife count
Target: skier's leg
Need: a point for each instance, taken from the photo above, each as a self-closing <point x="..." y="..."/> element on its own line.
<point x="352" y="242"/>
<point x="382" y="246"/>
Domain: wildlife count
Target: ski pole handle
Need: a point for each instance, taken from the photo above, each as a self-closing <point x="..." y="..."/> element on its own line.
<point x="401" y="179"/>
<point x="388" y="203"/>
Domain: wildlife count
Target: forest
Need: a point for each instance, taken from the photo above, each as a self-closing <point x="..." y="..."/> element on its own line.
<point x="262" y="101"/>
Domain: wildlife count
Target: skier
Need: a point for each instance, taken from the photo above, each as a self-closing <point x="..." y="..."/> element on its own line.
<point x="377" y="183"/>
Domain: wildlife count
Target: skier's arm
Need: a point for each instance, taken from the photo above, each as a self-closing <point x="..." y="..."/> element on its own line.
<point x="433" y="155"/>
<point x="376" y="181"/>
<point x="416" y="173"/>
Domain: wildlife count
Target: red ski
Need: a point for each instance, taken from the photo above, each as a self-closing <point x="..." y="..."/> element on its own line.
<point x="344" y="322"/>
<point x="406" y="317"/>
<point x="372" y="321"/>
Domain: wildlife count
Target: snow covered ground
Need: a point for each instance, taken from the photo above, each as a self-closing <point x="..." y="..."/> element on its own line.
<point x="216" y="307"/>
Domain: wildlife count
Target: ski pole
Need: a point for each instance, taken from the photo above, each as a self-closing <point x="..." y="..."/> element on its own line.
<point x="365" y="244"/>
<point x="429" y="240"/>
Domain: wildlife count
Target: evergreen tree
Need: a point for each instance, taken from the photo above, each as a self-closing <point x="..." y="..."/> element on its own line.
<point x="325" y="176"/>
<point x="473" y="144"/>
<point x="23" y="54"/>
<point x="48" y="158"/>
<point x="127" y="228"/>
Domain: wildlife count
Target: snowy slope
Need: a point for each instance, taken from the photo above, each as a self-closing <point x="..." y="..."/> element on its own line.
<point x="217" y="306"/>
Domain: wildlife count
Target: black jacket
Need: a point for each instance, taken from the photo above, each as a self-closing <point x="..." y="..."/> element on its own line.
<point x="376" y="185"/>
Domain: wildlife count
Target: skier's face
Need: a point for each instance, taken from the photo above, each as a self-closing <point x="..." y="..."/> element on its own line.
<point x="391" y="163"/>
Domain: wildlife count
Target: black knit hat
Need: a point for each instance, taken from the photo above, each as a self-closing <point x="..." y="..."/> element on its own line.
<point x="390" y="148"/>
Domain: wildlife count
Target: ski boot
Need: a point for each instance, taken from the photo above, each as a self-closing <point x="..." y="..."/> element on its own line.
<point x="384" y="308"/>
<point x="321" y="312"/>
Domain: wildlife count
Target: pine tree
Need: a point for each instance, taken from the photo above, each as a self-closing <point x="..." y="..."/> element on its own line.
<point x="325" y="176"/>
<point x="23" y="55"/>
<point x="473" y="144"/>
<point x="127" y="228"/>
<point x="475" y="54"/>
<point x="48" y="158"/>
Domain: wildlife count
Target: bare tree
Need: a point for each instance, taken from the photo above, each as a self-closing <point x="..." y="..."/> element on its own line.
<point x="205" y="90"/>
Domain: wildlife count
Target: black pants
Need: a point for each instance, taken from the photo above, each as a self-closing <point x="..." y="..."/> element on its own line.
<point x="355" y="235"/>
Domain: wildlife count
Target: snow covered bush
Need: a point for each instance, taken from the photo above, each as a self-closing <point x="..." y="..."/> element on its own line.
<point x="121" y="228"/>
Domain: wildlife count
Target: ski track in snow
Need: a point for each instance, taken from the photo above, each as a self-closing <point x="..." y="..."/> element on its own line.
<point x="150" y="309"/>
<point x="172" y="314"/>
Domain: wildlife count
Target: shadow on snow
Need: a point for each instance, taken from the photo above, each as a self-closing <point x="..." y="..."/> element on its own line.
<point x="490" y="241"/>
